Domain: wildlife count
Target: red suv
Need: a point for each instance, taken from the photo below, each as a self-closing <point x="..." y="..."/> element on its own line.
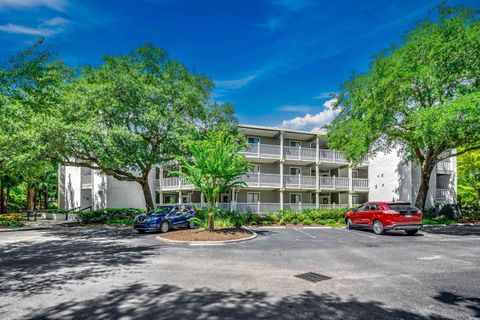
<point x="384" y="216"/>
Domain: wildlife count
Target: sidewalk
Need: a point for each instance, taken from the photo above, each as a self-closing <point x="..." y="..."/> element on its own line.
<point x="39" y="225"/>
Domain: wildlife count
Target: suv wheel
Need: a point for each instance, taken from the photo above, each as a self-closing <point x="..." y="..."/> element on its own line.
<point x="378" y="227"/>
<point x="411" y="232"/>
<point x="349" y="224"/>
<point x="164" y="227"/>
<point x="191" y="224"/>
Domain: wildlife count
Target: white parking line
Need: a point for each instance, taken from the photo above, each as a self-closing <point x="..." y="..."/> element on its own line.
<point x="352" y="232"/>
<point x="301" y="231"/>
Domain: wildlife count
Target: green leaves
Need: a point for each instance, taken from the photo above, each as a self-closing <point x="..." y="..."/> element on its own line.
<point x="422" y="95"/>
<point x="214" y="165"/>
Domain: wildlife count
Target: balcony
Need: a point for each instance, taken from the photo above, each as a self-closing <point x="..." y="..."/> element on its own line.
<point x="445" y="166"/>
<point x="264" y="207"/>
<point x="272" y="181"/>
<point x="266" y="151"/>
<point x="445" y="195"/>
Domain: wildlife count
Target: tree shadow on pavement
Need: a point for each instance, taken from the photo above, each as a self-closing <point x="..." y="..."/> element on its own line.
<point x="142" y="301"/>
<point x="472" y="303"/>
<point x="29" y="268"/>
<point x="464" y="230"/>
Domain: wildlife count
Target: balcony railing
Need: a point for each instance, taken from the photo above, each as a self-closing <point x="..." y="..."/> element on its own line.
<point x="259" y="150"/>
<point x="447" y="195"/>
<point x="270" y="180"/>
<point x="264" y="207"/>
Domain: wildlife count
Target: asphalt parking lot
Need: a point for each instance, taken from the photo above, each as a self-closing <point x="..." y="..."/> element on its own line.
<point x="79" y="273"/>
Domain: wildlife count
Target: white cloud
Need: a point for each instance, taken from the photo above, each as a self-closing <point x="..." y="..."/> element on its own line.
<point x="295" y="108"/>
<point x="47" y="28"/>
<point x="235" y="83"/>
<point x="315" y="121"/>
<point x="272" y="23"/>
<point x="58" y="5"/>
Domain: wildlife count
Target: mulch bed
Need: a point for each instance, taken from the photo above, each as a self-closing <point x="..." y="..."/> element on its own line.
<point x="205" y="235"/>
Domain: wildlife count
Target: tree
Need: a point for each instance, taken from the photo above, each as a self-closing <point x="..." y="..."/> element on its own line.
<point x="32" y="89"/>
<point x="129" y="114"/>
<point x="468" y="172"/>
<point x="422" y="95"/>
<point x="215" y="165"/>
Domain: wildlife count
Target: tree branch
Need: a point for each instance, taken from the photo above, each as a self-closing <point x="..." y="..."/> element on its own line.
<point x="460" y="152"/>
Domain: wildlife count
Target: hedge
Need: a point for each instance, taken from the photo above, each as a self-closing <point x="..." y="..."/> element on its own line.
<point x="105" y="215"/>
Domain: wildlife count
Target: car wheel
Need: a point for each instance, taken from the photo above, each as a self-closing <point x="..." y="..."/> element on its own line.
<point x="378" y="227"/>
<point x="164" y="227"/>
<point x="349" y="224"/>
<point x="411" y="232"/>
<point x="191" y="224"/>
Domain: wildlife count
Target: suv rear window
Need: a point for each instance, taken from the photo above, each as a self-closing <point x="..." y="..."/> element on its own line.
<point x="402" y="207"/>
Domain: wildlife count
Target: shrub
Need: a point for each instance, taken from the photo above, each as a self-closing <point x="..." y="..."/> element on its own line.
<point x="307" y="222"/>
<point x="266" y="223"/>
<point x="11" y="217"/>
<point x="320" y="221"/>
<point x="330" y="221"/>
<point x="10" y="224"/>
<point x="295" y="221"/>
<point x="282" y="222"/>
<point x="120" y="221"/>
<point x="102" y="216"/>
<point x="341" y="221"/>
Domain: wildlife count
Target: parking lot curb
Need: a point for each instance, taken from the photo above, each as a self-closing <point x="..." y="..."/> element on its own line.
<point x="198" y="243"/>
<point x="24" y="229"/>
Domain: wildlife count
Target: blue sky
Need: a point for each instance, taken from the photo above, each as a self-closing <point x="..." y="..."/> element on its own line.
<point x="276" y="61"/>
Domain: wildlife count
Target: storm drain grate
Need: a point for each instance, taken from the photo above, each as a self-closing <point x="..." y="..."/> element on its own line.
<point x="312" y="277"/>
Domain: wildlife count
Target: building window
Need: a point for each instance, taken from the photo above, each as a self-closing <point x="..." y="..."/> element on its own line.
<point x="157" y="197"/>
<point x="314" y="198"/>
<point x="354" y="174"/>
<point x="255" y="168"/>
<point x="168" y="199"/>
<point x="354" y="199"/>
<point x="295" y="144"/>
<point x="157" y="173"/>
<point x="253" y="140"/>
<point x="313" y="172"/>
<point x="295" y="198"/>
<point x="295" y="171"/>
<point x="253" y="197"/>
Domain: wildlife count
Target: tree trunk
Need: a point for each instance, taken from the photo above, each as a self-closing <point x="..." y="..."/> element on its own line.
<point x="426" y="172"/>
<point x="45" y="200"/>
<point x="147" y="194"/>
<point x="30" y="198"/>
<point x="2" y="200"/>
<point x="211" y="220"/>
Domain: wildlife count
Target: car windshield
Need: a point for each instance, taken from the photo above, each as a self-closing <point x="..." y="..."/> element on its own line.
<point x="402" y="207"/>
<point x="161" y="210"/>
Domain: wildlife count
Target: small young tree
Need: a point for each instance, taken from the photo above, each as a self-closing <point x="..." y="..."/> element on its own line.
<point x="215" y="165"/>
<point x="468" y="170"/>
<point x="423" y="96"/>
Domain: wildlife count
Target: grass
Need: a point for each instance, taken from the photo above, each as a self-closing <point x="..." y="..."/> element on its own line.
<point x="440" y="220"/>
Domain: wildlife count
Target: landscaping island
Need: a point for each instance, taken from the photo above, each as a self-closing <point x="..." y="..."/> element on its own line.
<point x="223" y="234"/>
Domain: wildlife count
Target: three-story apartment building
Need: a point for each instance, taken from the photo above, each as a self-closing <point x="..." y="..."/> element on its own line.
<point x="291" y="170"/>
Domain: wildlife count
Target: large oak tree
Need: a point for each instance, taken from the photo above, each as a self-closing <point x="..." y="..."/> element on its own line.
<point x="422" y="95"/>
<point x="130" y="114"/>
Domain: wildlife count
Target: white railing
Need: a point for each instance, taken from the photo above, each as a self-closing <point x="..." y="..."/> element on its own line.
<point x="262" y="150"/>
<point x="265" y="207"/>
<point x="444" y="166"/>
<point x="341" y="183"/>
<point x="261" y="179"/>
<point x="176" y="183"/>
<point x="360" y="183"/>
<point x="271" y="180"/>
<point x="299" y="153"/>
<point x="447" y="195"/>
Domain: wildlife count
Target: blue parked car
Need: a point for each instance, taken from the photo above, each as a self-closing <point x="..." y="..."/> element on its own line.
<point x="165" y="217"/>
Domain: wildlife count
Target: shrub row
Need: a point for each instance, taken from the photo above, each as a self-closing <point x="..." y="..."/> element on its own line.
<point x="105" y="215"/>
<point x="11" y="220"/>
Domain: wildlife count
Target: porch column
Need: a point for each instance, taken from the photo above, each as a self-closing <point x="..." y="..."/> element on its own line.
<point x="282" y="160"/>
<point x="201" y="200"/>
<point x="350" y="186"/>
<point x="180" y="197"/>
<point x="232" y="200"/>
